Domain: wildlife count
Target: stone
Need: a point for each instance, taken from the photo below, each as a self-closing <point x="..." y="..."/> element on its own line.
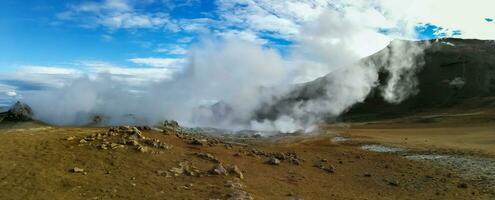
<point x="393" y="182"/>
<point x="133" y="142"/>
<point x="273" y="161"/>
<point x="208" y="156"/>
<point x="77" y="170"/>
<point x="70" y="138"/>
<point x="82" y="141"/>
<point x="201" y="142"/>
<point x="115" y="145"/>
<point x="103" y="146"/>
<point x="235" y="170"/>
<point x="142" y="149"/>
<point x="218" y="169"/>
<point x="176" y="171"/>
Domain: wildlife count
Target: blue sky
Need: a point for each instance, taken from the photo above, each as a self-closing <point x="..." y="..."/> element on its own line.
<point x="44" y="43"/>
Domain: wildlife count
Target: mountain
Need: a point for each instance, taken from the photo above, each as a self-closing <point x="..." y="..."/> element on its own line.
<point x="452" y="72"/>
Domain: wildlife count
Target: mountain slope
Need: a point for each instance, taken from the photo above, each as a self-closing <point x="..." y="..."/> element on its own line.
<point x="450" y="72"/>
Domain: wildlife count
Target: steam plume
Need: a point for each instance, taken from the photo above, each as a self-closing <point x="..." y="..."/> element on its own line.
<point x="237" y="84"/>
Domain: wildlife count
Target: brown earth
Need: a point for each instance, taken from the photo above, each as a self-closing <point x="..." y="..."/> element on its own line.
<point x="36" y="163"/>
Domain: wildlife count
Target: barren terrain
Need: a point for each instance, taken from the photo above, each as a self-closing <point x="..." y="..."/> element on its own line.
<point x="376" y="160"/>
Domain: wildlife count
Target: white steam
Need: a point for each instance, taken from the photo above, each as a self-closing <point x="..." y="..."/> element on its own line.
<point x="226" y="81"/>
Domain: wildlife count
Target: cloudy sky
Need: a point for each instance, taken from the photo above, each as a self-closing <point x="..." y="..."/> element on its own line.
<point x="46" y="43"/>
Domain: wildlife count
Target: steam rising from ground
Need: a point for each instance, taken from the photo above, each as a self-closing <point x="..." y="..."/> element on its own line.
<point x="226" y="81"/>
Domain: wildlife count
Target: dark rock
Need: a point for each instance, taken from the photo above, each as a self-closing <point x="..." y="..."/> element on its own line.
<point x="19" y="112"/>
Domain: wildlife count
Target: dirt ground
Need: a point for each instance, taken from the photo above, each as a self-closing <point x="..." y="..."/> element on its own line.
<point x="36" y="163"/>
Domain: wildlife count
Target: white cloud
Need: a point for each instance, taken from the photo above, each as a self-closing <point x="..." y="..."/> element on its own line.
<point x="173" y="50"/>
<point x="115" y="14"/>
<point x="159" y="62"/>
<point x="11" y="93"/>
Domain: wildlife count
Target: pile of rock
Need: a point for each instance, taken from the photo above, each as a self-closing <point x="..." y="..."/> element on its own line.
<point x="219" y="169"/>
<point x="275" y="158"/>
<point x="185" y="168"/>
<point x="118" y="137"/>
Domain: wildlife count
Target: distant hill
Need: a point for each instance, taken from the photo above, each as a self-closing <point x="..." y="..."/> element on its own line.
<point x="454" y="71"/>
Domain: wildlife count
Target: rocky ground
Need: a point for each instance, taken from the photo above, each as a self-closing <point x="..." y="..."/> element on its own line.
<point x="170" y="162"/>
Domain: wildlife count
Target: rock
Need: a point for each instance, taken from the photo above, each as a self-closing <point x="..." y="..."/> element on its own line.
<point x="235" y="170"/>
<point x="115" y="146"/>
<point x="240" y="195"/>
<point x="393" y="182"/>
<point x="19" y="112"/>
<point x="133" y="142"/>
<point x="70" y="138"/>
<point x="273" y="161"/>
<point x="142" y="149"/>
<point x="207" y="156"/>
<point x="103" y="146"/>
<point x="367" y="175"/>
<point x="218" y="169"/>
<point x="135" y="134"/>
<point x="184" y="168"/>
<point x="201" y="142"/>
<point x="77" y="170"/>
<point x="329" y="168"/>
<point x="82" y="141"/>
<point x="171" y="124"/>
<point x="176" y="171"/>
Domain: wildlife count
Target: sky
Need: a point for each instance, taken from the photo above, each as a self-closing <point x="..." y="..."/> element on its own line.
<point x="47" y="43"/>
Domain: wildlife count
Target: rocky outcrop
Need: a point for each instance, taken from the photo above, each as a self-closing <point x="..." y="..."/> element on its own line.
<point x="19" y="112"/>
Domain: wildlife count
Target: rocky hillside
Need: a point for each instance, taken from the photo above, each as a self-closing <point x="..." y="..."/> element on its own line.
<point x="452" y="72"/>
<point x="456" y="74"/>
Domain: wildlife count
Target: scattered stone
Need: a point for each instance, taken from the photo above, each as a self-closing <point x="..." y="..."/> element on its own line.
<point x="70" y="138"/>
<point x="207" y="156"/>
<point x="239" y="195"/>
<point x="273" y="161"/>
<point x="82" y="141"/>
<point x="184" y="168"/>
<point x="237" y="192"/>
